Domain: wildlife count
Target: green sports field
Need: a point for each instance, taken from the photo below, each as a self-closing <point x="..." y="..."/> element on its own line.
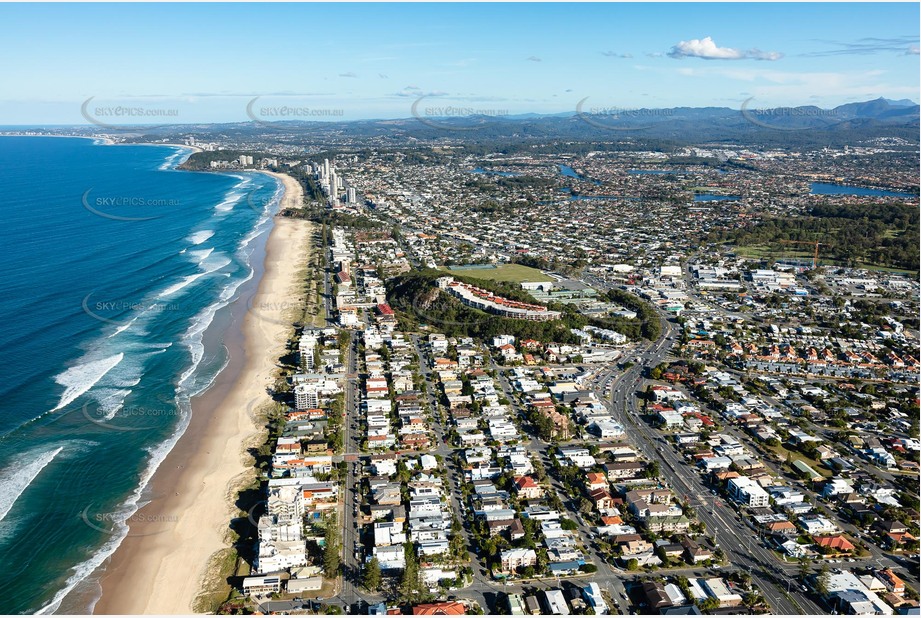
<point x="515" y="273"/>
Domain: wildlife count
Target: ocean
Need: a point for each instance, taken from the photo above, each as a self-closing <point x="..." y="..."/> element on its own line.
<point x="115" y="265"/>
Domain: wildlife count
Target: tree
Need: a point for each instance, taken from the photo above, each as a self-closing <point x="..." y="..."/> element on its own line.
<point x="804" y="567"/>
<point x="753" y="599"/>
<point x="744" y="578"/>
<point x="822" y="581"/>
<point x="371" y="578"/>
<point x="411" y="583"/>
<point x="331" y="559"/>
<point x="331" y="549"/>
<point x="542" y="424"/>
<point x="633" y="564"/>
<point x="709" y="604"/>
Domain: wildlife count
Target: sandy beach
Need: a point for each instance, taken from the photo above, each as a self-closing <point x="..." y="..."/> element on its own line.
<point x="194" y="149"/>
<point x="159" y="567"/>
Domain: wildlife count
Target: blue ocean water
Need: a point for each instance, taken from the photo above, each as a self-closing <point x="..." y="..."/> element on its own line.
<point x="115" y="263"/>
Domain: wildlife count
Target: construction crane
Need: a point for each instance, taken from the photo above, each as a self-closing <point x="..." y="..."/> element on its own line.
<point x="815" y="255"/>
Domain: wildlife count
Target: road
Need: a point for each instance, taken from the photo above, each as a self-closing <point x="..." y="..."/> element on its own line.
<point x="350" y="591"/>
<point x="738" y="542"/>
<point x="446" y="451"/>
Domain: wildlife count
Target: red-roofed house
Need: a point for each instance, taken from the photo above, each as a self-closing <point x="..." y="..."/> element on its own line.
<point x="527" y="488"/>
<point x="782" y="527"/>
<point x="447" y="608"/>
<point x="595" y="480"/>
<point x="602" y="499"/>
<point x="834" y="543"/>
<point x="893" y="582"/>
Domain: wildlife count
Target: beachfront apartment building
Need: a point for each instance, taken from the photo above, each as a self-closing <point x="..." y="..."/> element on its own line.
<point x="306" y="348"/>
<point x="278" y="555"/>
<point x="311" y="389"/>
<point x="306" y="396"/>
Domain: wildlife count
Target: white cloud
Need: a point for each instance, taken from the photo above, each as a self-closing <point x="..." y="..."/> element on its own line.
<point x="707" y="49"/>
<point x="534" y="59"/>
<point x="913" y="50"/>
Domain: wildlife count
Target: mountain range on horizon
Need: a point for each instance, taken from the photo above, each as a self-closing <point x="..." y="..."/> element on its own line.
<point x="873" y="107"/>
<point x="848" y="123"/>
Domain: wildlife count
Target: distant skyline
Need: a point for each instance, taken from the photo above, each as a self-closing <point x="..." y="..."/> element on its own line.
<point x="188" y="63"/>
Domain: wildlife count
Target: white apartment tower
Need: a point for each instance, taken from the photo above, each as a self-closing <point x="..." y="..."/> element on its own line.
<point x="306" y="397"/>
<point x="306" y="349"/>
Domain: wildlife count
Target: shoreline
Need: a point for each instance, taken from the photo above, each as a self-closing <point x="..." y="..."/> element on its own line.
<point x="161" y="571"/>
<point x="107" y="141"/>
<point x="194" y="149"/>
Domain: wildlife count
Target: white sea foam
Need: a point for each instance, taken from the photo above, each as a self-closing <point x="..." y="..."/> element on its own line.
<point x="207" y="268"/>
<point x="187" y="388"/>
<point x="16" y="479"/>
<point x="80" y="378"/>
<point x="110" y="400"/>
<point x="125" y="511"/>
<point x="230" y="200"/>
<point x="197" y="238"/>
<point x="124" y="327"/>
<point x="234" y="195"/>
<point x="174" y="159"/>
<point x="262" y="224"/>
<point x="198" y="256"/>
<point x="110" y="392"/>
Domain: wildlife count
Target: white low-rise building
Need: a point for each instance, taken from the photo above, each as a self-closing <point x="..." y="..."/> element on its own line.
<point x="748" y="492"/>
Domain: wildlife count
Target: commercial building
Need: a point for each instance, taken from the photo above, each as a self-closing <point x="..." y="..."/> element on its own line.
<point x="747" y="491"/>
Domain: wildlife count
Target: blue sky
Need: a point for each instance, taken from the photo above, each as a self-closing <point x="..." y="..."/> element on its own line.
<point x="206" y="62"/>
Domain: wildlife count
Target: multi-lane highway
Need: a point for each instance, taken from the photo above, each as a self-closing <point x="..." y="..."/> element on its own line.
<point x="740" y="544"/>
